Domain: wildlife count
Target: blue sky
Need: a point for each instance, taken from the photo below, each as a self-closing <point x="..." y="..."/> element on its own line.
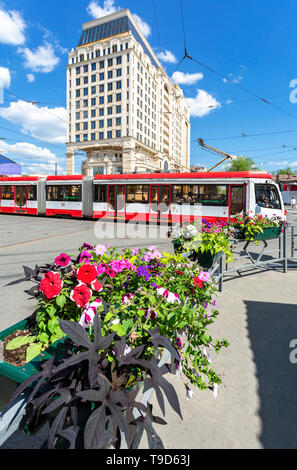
<point x="251" y="44"/>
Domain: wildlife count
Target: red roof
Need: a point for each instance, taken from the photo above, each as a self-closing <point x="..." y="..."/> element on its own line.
<point x="19" y="178"/>
<point x="66" y="178"/>
<point x="193" y="175"/>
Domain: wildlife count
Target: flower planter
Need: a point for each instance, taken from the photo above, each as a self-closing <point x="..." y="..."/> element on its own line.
<point x="19" y="374"/>
<point x="269" y="233"/>
<point x="206" y="260"/>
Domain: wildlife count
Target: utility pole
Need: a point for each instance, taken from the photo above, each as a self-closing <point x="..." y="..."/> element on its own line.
<point x="214" y="150"/>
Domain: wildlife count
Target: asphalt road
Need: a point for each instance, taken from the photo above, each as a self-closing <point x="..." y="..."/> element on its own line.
<point x="256" y="406"/>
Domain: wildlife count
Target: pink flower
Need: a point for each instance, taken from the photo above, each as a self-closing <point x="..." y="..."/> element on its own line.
<point x="204" y="276"/>
<point x="171" y="297"/>
<point x="101" y="269"/>
<point x="89" y="312"/>
<point x="85" y="257"/>
<point x="126" y="299"/>
<point x="110" y="272"/>
<point x="62" y="260"/>
<point x="101" y="249"/>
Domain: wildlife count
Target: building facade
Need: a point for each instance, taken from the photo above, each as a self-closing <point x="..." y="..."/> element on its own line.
<point x="124" y="112"/>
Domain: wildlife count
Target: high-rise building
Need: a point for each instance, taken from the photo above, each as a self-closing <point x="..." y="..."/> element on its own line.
<point x="124" y="111"/>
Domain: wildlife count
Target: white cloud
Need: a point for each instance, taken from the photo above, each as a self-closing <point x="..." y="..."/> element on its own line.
<point x="12" y="27"/>
<point x="202" y="104"/>
<point x="97" y="11"/>
<point x="182" y="78"/>
<point x="5" y="77"/>
<point x="43" y="168"/>
<point x="30" y="77"/>
<point x="25" y="149"/>
<point x="237" y="78"/>
<point x="42" y="59"/>
<point x="144" y="27"/>
<point x="167" y="56"/>
<point x="47" y="124"/>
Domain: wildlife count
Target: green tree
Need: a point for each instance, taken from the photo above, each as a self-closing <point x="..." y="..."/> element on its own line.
<point x="285" y="171"/>
<point x="241" y="163"/>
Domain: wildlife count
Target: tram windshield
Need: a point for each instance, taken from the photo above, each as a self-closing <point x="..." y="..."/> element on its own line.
<point x="267" y="196"/>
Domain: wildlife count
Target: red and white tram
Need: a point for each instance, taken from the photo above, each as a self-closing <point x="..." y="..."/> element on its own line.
<point x="167" y="197"/>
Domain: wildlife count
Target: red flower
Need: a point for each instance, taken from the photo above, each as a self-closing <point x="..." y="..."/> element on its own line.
<point x="81" y="295"/>
<point x="87" y="273"/>
<point x="51" y="284"/>
<point x="198" y="282"/>
<point x="180" y="273"/>
<point x="96" y="285"/>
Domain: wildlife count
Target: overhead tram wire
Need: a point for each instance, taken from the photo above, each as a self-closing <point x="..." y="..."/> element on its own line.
<point x="157" y="23"/>
<point x="211" y="69"/>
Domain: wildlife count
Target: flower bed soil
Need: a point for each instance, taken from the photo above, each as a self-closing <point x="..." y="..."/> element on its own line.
<point x="16" y="357"/>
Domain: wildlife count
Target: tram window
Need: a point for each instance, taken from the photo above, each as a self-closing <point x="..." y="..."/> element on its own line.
<point x="7" y="192"/>
<point x="70" y="193"/>
<point x="267" y="196"/>
<point x="186" y="194"/>
<point x="100" y="193"/>
<point x="32" y="193"/>
<point x="213" y="195"/>
<point x="137" y="193"/>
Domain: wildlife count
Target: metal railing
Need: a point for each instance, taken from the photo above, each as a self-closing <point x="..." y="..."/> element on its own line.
<point x="286" y="256"/>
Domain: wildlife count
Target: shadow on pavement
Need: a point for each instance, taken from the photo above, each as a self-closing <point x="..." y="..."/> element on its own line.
<point x="271" y="328"/>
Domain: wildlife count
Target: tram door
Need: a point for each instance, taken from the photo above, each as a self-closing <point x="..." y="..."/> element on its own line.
<point x="160" y="200"/>
<point x="116" y="195"/>
<point x="236" y="199"/>
<point x="20" y="198"/>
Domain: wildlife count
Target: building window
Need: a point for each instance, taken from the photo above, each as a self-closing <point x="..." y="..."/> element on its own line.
<point x="114" y="48"/>
<point x="118" y="133"/>
<point x="109" y="134"/>
<point x="93" y="124"/>
<point x="93" y="136"/>
<point x="118" y="121"/>
<point x="101" y="99"/>
<point x="109" y="110"/>
<point x="77" y="127"/>
<point x="77" y="93"/>
<point x="93" y="112"/>
<point x="85" y="137"/>
<point x="119" y="84"/>
<point x="86" y="103"/>
<point x="109" y="99"/>
<point x="101" y="112"/>
<point x="85" y="126"/>
<point x="119" y="60"/>
<point x="101" y="76"/>
<point x="86" y="91"/>
<point x="93" y="90"/>
<point x="110" y="62"/>
<point x="77" y="81"/>
<point x="101" y="64"/>
<point x="101" y="135"/>
<point x="93" y="78"/>
<point x="109" y="74"/>
<point x="109" y="122"/>
<point x="118" y="109"/>
<point x="77" y="104"/>
<point x="119" y="72"/>
<point x="77" y="115"/>
<point x="77" y="138"/>
<point x="93" y="66"/>
<point x="85" y="80"/>
<point x="119" y="96"/>
<point x="101" y="124"/>
<point x="109" y="86"/>
<point x="77" y="70"/>
<point x="86" y="68"/>
<point x="93" y="101"/>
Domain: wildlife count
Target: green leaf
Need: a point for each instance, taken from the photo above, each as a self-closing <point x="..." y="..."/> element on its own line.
<point x="53" y="324"/>
<point x="61" y="300"/>
<point x="33" y="351"/>
<point x="20" y="341"/>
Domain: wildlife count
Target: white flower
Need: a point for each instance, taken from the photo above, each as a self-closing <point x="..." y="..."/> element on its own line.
<point x="128" y="349"/>
<point x="189" y="393"/>
<point x="215" y="390"/>
<point x="205" y="353"/>
<point x="116" y="322"/>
